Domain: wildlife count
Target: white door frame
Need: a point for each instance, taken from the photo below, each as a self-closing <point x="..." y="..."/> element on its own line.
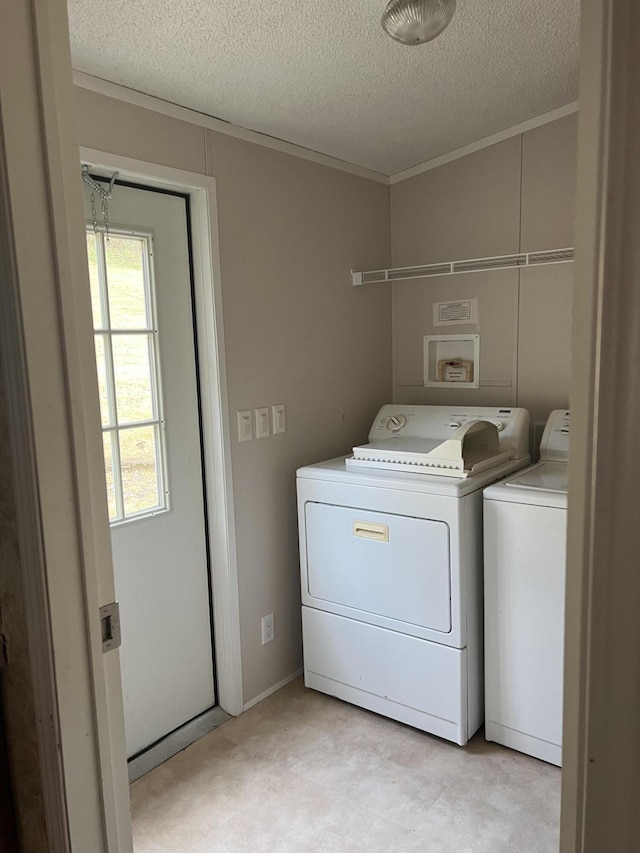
<point x="201" y="191"/>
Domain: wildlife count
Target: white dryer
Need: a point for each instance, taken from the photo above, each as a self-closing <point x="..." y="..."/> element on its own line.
<point x="391" y="563"/>
<point x="525" y="528"/>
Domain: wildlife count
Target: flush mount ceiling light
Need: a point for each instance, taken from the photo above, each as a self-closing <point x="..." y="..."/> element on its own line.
<point x="417" y="21"/>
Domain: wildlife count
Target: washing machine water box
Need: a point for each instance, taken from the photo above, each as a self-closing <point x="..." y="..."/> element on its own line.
<point x="391" y="566"/>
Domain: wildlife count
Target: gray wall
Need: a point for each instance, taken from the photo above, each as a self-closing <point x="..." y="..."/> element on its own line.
<point x="516" y="195"/>
<point x="296" y="332"/>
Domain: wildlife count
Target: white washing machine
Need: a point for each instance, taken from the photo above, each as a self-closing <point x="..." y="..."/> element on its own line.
<point x="391" y="563"/>
<point x="525" y="528"/>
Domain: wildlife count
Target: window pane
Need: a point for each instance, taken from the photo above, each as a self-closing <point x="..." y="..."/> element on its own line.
<point x="102" y="380"/>
<point x="140" y="486"/>
<point x="126" y="284"/>
<point x="107" y="438"/>
<point x="94" y="282"/>
<point x="132" y="371"/>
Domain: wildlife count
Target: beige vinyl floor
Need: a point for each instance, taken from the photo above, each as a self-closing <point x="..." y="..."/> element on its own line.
<point x="305" y="772"/>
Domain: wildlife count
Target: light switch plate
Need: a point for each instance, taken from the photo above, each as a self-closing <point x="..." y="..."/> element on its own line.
<point x="262" y="423"/>
<point x="245" y="425"/>
<point x="278" y="418"/>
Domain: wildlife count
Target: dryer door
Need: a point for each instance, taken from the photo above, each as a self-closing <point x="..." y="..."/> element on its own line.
<point x="385" y="565"/>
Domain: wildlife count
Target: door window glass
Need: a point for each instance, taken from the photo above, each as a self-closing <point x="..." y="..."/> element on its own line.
<point x="126" y="347"/>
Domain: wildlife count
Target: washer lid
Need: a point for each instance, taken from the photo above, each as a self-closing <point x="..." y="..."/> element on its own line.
<point x="546" y="476"/>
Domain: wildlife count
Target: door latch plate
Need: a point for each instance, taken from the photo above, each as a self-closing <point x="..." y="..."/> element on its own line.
<point x="110" y="623"/>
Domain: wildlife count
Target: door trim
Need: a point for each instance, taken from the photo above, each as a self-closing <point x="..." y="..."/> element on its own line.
<point x="601" y="772"/>
<point x="201" y="190"/>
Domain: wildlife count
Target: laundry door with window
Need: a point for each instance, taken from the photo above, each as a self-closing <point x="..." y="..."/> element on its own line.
<point x="139" y="270"/>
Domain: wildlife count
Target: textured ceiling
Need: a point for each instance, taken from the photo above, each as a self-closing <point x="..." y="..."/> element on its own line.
<point x="324" y="75"/>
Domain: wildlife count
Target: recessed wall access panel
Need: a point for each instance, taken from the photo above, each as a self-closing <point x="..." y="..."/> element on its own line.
<point x="451" y="361"/>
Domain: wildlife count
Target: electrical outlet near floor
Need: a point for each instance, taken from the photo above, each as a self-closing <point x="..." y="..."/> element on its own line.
<point x="267" y="628"/>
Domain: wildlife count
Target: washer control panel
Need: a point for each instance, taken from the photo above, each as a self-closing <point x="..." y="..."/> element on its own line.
<point x="554" y="445"/>
<point x="396" y="422"/>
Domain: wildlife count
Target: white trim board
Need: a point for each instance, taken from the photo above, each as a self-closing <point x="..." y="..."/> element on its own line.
<point x="157" y="105"/>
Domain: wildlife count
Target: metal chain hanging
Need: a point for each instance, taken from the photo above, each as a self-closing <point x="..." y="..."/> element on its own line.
<point x="105" y="196"/>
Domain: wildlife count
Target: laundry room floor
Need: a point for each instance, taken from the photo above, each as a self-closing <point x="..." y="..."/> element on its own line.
<point x="302" y="772"/>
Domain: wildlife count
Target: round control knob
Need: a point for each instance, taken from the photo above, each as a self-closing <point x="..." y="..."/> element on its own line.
<point x="455" y="424"/>
<point x="498" y="425"/>
<point x="396" y="422"/>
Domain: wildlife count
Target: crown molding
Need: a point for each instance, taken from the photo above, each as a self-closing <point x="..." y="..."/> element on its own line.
<point x="486" y="142"/>
<point x="149" y="102"/>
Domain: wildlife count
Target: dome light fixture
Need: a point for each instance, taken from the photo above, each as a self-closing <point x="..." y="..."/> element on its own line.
<point x="417" y="21"/>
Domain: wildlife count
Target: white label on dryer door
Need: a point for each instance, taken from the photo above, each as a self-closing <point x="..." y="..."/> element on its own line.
<point x="388" y="565"/>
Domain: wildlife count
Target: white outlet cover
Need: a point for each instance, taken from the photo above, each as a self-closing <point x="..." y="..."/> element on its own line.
<point x="268" y="628"/>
